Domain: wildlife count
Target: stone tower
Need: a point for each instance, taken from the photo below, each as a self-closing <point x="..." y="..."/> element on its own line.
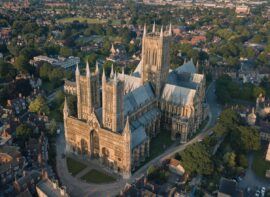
<point x="112" y="102"/>
<point x="156" y="58"/>
<point x="88" y="92"/>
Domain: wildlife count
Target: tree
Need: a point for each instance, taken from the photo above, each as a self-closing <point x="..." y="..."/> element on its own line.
<point x="39" y="105"/>
<point x="196" y="159"/>
<point x="22" y="64"/>
<point x="23" y="131"/>
<point x="52" y="127"/>
<point x="229" y="159"/>
<point x="65" y="52"/>
<point x="7" y="70"/>
<point x="246" y="139"/>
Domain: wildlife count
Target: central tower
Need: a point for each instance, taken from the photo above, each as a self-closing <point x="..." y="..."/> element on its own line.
<point x="156" y="58"/>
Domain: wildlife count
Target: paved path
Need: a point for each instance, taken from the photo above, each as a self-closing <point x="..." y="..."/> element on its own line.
<point x="79" y="188"/>
<point x="83" y="172"/>
<point x="251" y="180"/>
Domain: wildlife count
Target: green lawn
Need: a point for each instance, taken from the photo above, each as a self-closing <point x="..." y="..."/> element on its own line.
<point x="74" y="167"/>
<point x="260" y="165"/>
<point x="159" y="144"/>
<point x="82" y="19"/>
<point x="95" y="176"/>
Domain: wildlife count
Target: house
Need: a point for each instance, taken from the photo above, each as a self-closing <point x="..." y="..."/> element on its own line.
<point x="176" y="167"/>
<point x="11" y="163"/>
<point x="229" y="188"/>
<point x="48" y="188"/>
<point x="27" y="181"/>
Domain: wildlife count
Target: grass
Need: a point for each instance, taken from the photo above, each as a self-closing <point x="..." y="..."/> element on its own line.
<point x="82" y="19"/>
<point x="95" y="176"/>
<point x="260" y="165"/>
<point x="159" y="144"/>
<point x="74" y="167"/>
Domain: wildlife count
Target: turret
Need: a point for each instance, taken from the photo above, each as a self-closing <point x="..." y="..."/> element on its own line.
<point x="112" y="103"/>
<point x="128" y="148"/>
<point x="87" y="69"/>
<point x="144" y="30"/>
<point x="112" y="72"/>
<point x="97" y="69"/>
<point x="170" y="29"/>
<point x="65" y="109"/>
<point x="161" y="32"/>
<point x="78" y="88"/>
<point x="154" y="27"/>
<point x="127" y="130"/>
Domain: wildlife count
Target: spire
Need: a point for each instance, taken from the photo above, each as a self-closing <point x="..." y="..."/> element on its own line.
<point x="127" y="126"/>
<point x="161" y="32"/>
<point x="112" y="72"/>
<point x="65" y="105"/>
<point x="77" y="70"/>
<point x="170" y="29"/>
<point x="103" y="75"/>
<point x="154" y="27"/>
<point x="87" y="69"/>
<point x="97" y="69"/>
<point x="144" y="30"/>
<point x="115" y="77"/>
<point x="123" y="71"/>
<point x="197" y="66"/>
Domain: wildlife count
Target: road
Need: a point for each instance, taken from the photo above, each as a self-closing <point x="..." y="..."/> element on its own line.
<point x="79" y="188"/>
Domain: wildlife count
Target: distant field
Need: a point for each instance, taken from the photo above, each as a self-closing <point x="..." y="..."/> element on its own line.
<point x="82" y="19"/>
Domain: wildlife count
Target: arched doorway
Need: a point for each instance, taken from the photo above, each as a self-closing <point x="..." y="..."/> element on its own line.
<point x="94" y="143"/>
<point x="84" y="147"/>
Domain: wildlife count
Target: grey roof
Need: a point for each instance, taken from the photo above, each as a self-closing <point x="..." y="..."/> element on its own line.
<point x="47" y="187"/>
<point x="187" y="67"/>
<point x="229" y="187"/>
<point x="145" y="118"/>
<point x="130" y="82"/>
<point x="178" y="95"/>
<point x="137" y="98"/>
<point x="138" y="136"/>
<point x="181" y="79"/>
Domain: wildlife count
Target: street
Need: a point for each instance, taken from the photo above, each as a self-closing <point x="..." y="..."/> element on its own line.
<point x="77" y="187"/>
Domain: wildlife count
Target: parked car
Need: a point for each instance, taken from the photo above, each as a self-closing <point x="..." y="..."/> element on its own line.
<point x="258" y="193"/>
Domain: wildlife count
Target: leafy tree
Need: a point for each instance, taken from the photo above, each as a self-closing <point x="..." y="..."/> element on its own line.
<point x="91" y="58"/>
<point x="22" y="64"/>
<point x="65" y="52"/>
<point x="242" y="161"/>
<point x="229" y="159"/>
<point x="52" y="127"/>
<point x="196" y="159"/>
<point x="39" y="105"/>
<point x="7" y="70"/>
<point x="246" y="139"/>
<point x="23" y="131"/>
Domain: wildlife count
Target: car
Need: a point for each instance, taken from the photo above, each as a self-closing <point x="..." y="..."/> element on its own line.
<point x="239" y="179"/>
<point x="263" y="189"/>
<point x="248" y="189"/>
<point x="257" y="194"/>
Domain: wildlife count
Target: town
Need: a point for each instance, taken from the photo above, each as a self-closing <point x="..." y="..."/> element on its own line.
<point x="134" y="98"/>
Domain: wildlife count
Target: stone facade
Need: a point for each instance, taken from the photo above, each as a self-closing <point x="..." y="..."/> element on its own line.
<point x="117" y="124"/>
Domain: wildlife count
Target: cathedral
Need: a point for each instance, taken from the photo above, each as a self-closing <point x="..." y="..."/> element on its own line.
<point x="118" y="115"/>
